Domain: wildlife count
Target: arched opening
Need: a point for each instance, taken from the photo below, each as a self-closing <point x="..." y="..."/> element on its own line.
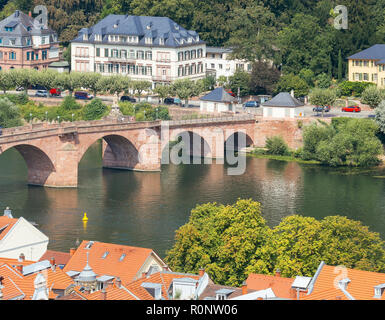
<point x="39" y="165"/>
<point x="186" y="144"/>
<point x="238" y="141"/>
<point x="117" y="152"/>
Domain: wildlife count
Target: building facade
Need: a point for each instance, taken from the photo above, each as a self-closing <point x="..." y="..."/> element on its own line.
<point x="220" y="63"/>
<point x="25" y="43"/>
<point x="368" y="65"/>
<point x="155" y="49"/>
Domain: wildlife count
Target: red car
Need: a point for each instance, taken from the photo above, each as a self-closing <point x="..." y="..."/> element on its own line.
<point x="231" y="93"/>
<point x="351" y="109"/>
<point x="55" y="92"/>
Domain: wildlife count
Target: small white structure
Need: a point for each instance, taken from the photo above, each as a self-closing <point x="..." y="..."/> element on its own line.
<point x="41" y="290"/>
<point x="60" y="66"/>
<point x="18" y="236"/>
<point x="283" y="105"/>
<point x="184" y="288"/>
<point x="218" y="100"/>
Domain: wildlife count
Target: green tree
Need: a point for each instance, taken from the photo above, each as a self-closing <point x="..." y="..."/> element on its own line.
<point x="163" y="91"/>
<point x="140" y="85"/>
<point x="21" y="78"/>
<point x="322" y="97"/>
<point x="340" y="66"/>
<point x="46" y="78"/>
<point x="91" y="81"/>
<point x="290" y="82"/>
<point x="263" y="78"/>
<point x="184" y="89"/>
<point x="95" y="110"/>
<point x="308" y="76"/>
<point x="9" y="114"/>
<point x="380" y="116"/>
<point x="372" y="96"/>
<point x="298" y="244"/>
<point x="323" y="81"/>
<point x="209" y="83"/>
<point x="6" y="82"/>
<point x="222" y="81"/>
<point x="70" y="81"/>
<point x="240" y="79"/>
<point x="221" y="239"/>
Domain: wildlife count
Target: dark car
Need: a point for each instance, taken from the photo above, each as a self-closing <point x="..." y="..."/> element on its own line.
<point x="38" y="87"/>
<point x="320" y="109"/>
<point x="169" y="101"/>
<point x="351" y="109"/>
<point x="127" y="98"/>
<point x="20" y="89"/>
<point x="83" y="95"/>
<point x="41" y="93"/>
<point x="251" y="104"/>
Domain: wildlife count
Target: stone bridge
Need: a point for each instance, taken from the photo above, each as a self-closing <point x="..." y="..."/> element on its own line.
<point x="52" y="152"/>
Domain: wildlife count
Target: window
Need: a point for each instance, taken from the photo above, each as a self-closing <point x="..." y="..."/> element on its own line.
<point x="98" y="52"/>
<point x="116" y="68"/>
<point x="44" y="54"/>
<point x="366" y="63"/>
<point x="8" y="29"/>
<point x="221" y="297"/>
<point x="122" y="257"/>
<point x="28" y="56"/>
<point x="193" y="54"/>
<point x="124" y="68"/>
<point x="140" y="54"/>
<point x="220" y="66"/>
<point x="212" y="66"/>
<point x="1" y="40"/>
<point x="36" y="56"/>
<point x="12" y="42"/>
<point x="132" y="54"/>
<point x="28" y="41"/>
<point x="105" y="255"/>
<point x="110" y="68"/>
<point x="12" y="55"/>
<point x="106" y="53"/>
<point x="1" y="55"/>
<point x="148" y="55"/>
<point x="366" y="77"/>
<point x="187" y="55"/>
<point x="374" y="77"/>
<point x="123" y="54"/>
<point x="115" y="53"/>
<point x="42" y="40"/>
<point x="149" y="70"/>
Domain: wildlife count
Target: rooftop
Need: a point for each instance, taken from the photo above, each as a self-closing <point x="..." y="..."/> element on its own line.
<point x="376" y="52"/>
<point x="218" y="95"/>
<point x="283" y="99"/>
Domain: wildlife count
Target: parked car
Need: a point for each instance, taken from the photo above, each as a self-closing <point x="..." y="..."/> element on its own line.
<point x="127" y="98"/>
<point x="38" y="87"/>
<point x="55" y="92"/>
<point x="20" y="89"/>
<point x="251" y="104"/>
<point x="41" y="93"/>
<point x="351" y="109"/>
<point x="83" y="95"/>
<point x="172" y="101"/>
<point x="320" y="109"/>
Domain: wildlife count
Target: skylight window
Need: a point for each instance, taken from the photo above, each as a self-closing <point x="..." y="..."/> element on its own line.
<point x="122" y="257"/>
<point x="105" y="255"/>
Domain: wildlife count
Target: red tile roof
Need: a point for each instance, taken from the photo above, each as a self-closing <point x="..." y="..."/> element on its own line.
<point x="6" y="224"/>
<point x="361" y="285"/>
<point x="61" y="258"/>
<point x="109" y="259"/>
<point x="281" y="286"/>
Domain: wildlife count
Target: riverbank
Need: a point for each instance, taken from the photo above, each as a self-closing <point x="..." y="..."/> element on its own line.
<point x="259" y="153"/>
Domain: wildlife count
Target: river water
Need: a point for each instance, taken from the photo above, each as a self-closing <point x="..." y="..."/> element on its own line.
<point x="145" y="209"/>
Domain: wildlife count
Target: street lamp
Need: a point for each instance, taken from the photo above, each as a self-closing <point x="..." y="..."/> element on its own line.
<point x="73" y="117"/>
<point x="58" y="119"/>
<point x="156" y="113"/>
<point x="30" y="117"/>
<point x="46" y="116"/>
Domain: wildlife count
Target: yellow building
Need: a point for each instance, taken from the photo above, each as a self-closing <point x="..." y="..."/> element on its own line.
<point x="368" y="65"/>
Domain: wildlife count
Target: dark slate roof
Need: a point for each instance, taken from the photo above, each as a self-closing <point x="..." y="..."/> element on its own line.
<point x="283" y="99"/>
<point x="218" y="95"/>
<point x="376" y="52"/>
<point x="156" y="28"/>
<point x="24" y="27"/>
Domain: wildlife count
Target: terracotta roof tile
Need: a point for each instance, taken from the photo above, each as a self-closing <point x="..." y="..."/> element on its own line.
<point x="361" y="285"/>
<point x="109" y="259"/>
<point x="281" y="286"/>
<point x="6" y="224"/>
<point x="61" y="258"/>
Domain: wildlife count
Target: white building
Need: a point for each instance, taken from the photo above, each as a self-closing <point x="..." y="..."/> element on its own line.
<point x="283" y="105"/>
<point x="219" y="62"/>
<point x="18" y="236"/>
<point x="155" y="49"/>
<point x="218" y="100"/>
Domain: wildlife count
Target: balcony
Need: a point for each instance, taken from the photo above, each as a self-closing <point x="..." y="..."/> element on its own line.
<point x="162" y="78"/>
<point x="121" y="59"/>
<point x="163" y="60"/>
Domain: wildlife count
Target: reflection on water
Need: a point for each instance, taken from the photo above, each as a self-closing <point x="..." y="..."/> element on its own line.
<point x="145" y="209"/>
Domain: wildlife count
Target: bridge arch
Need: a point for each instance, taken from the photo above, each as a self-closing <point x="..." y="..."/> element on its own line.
<point x="40" y="166"/>
<point x="118" y="151"/>
<point x="190" y="143"/>
<point x="238" y="140"/>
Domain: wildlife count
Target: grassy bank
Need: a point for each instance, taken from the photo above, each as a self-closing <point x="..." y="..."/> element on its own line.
<point x="261" y="153"/>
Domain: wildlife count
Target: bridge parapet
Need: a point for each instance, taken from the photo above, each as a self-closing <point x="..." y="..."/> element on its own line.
<point x="215" y="120"/>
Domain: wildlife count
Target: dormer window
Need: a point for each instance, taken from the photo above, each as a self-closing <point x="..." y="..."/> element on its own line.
<point x="98" y="37"/>
<point x="105" y="255"/>
<point x="223" y="294"/>
<point x="155" y="289"/>
<point x="85" y="36"/>
<point x="161" y="41"/>
<point x="148" y="40"/>
<point x="122" y="257"/>
<point x="379" y="290"/>
<point x="344" y="283"/>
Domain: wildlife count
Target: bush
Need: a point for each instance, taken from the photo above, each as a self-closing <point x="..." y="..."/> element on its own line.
<point x="276" y="146"/>
<point x="9" y="114"/>
<point x="69" y="103"/>
<point x="95" y="110"/>
<point x="21" y="98"/>
<point x="353" y="88"/>
<point x="372" y="96"/>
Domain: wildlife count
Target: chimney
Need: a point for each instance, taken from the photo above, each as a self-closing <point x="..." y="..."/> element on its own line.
<point x="72" y="251"/>
<point x="278" y="273"/>
<point x="30" y="13"/>
<point x="201" y="272"/>
<point x="19" y="268"/>
<point x="53" y="265"/>
<point x="103" y="295"/>
<point x="118" y="282"/>
<point x="244" y="288"/>
<point x="21" y="257"/>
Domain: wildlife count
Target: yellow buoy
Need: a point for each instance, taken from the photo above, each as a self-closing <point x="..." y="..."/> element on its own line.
<point x="85" y="218"/>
